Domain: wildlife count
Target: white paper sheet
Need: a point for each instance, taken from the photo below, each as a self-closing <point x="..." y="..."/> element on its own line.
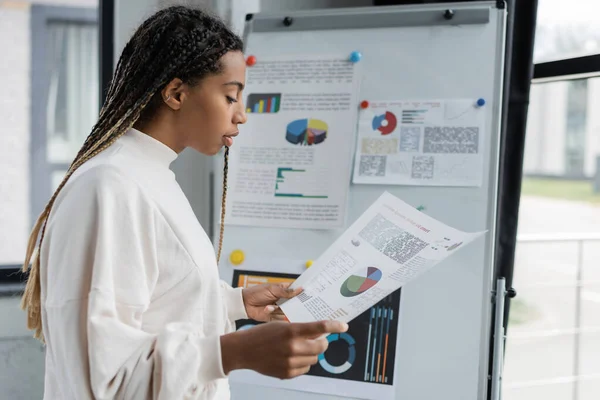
<point x="391" y="244"/>
<point x="359" y="364"/>
<point x="290" y="166"/>
<point x="425" y="143"/>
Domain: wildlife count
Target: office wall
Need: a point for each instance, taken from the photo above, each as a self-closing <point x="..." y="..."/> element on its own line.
<point x="21" y="357"/>
<point x="14" y="131"/>
<point x="191" y="169"/>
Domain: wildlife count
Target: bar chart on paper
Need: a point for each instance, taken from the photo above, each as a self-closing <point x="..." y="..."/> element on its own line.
<point x="302" y="183"/>
<point x="263" y="103"/>
<point x="365" y="353"/>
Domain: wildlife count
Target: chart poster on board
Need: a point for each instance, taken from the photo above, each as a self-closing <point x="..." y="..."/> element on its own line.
<point x="290" y="166"/>
<point x="424" y="143"/>
<point x="363" y="357"/>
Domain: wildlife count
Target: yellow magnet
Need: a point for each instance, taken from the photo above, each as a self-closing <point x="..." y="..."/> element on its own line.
<point x="309" y="263"/>
<point x="237" y="257"/>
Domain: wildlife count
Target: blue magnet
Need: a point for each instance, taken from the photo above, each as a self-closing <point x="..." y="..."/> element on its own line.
<point x="480" y="102"/>
<point x="355" y="56"/>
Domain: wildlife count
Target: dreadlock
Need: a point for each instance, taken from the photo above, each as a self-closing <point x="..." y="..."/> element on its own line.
<point x="176" y="42"/>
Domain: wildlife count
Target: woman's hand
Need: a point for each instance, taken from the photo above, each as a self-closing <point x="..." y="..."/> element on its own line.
<point x="279" y="349"/>
<point x="260" y="300"/>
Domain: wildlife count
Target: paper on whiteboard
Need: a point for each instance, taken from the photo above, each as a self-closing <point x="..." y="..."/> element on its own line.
<point x="391" y="244"/>
<point x="291" y="164"/>
<point x="426" y="143"/>
<point x="363" y="358"/>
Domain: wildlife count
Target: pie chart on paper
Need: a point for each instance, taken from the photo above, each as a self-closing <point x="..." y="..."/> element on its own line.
<point x="360" y="283"/>
<point x="306" y="132"/>
<point x="385" y="123"/>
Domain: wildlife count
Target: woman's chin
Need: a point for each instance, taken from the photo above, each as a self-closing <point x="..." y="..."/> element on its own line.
<point x="208" y="151"/>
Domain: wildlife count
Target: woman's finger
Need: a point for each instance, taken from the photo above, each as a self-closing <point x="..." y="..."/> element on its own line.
<point x="284" y="291"/>
<point x="271" y="308"/>
<point x="278" y="317"/>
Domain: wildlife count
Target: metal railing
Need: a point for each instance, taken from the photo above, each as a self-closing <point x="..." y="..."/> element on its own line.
<point x="579" y="240"/>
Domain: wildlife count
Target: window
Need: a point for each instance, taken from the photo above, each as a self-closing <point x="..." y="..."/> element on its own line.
<point x="50" y="96"/>
<point x="566" y="29"/>
<point x="553" y="332"/>
<point x="73" y="74"/>
<point x="562" y="138"/>
<point x="575" y="132"/>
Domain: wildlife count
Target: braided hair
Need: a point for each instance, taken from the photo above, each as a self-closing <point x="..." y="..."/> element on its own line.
<point x="176" y="42"/>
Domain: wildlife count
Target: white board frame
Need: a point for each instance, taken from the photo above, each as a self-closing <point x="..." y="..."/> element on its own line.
<point x="260" y="243"/>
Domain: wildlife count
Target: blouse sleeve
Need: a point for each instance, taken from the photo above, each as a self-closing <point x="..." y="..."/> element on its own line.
<point x="234" y="304"/>
<point x="101" y="276"/>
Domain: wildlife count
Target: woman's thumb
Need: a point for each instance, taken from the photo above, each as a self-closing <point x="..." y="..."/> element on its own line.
<point x="269" y="309"/>
<point x="287" y="292"/>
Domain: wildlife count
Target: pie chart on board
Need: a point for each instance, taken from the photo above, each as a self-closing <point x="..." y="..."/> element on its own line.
<point x="357" y="284"/>
<point x="385" y="123"/>
<point x="306" y="132"/>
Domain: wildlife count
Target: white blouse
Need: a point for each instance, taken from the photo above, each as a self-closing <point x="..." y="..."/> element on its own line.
<point x="132" y="303"/>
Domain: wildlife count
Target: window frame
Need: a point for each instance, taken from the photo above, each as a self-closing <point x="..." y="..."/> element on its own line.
<point x="41" y="169"/>
<point x="40" y="175"/>
<point x="566" y="69"/>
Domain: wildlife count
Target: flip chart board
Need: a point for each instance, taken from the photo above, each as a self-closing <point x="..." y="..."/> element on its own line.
<point x="414" y="61"/>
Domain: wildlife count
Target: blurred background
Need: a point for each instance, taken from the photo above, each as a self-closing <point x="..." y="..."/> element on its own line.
<point x="50" y="97"/>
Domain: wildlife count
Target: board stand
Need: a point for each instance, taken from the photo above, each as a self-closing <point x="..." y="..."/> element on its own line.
<point x="499" y="337"/>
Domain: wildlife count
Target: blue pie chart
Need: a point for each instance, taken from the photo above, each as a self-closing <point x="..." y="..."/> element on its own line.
<point x="339" y="369"/>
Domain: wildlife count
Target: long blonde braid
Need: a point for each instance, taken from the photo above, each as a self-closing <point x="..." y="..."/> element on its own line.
<point x="223" y="202"/>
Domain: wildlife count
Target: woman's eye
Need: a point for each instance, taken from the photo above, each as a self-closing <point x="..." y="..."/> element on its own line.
<point x="231" y="100"/>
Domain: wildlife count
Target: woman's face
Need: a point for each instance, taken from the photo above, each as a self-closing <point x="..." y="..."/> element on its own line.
<point x="209" y="113"/>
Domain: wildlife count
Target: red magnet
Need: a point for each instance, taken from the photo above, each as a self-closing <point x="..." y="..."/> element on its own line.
<point x="250" y="61"/>
<point x="364" y="104"/>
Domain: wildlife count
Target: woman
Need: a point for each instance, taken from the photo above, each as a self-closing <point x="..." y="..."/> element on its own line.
<point x="123" y="286"/>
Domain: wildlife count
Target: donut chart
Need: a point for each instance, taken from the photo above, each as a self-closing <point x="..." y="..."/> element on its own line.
<point x="246" y="327"/>
<point x="385" y="123"/>
<point x="306" y="132"/>
<point x="357" y="284"/>
<point x="339" y="369"/>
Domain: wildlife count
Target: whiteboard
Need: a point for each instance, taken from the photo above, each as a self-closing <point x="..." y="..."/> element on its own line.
<point x="444" y="321"/>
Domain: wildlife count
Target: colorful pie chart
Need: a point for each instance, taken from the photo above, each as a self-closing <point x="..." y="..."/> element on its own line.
<point x="360" y="283"/>
<point x="306" y="132"/>
<point x="385" y="123"/>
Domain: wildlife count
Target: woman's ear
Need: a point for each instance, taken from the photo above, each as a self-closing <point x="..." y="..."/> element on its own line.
<point x="174" y="93"/>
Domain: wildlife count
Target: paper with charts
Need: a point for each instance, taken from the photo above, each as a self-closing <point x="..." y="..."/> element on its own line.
<point x="291" y="164"/>
<point x="425" y="143"/>
<point x="364" y="357"/>
<point x="391" y="244"/>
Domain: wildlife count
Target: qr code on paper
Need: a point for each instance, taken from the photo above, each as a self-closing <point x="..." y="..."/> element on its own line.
<point x="422" y="167"/>
<point x="372" y="166"/>
<point x="451" y="140"/>
<point x="391" y="240"/>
